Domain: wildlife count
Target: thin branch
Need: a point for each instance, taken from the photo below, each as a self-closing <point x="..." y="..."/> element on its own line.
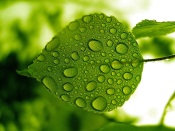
<point x="165" y="109"/>
<point x="159" y="59"/>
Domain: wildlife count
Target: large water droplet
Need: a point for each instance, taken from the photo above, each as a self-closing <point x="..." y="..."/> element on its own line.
<point x="65" y="97"/>
<point x="53" y="44"/>
<point x="50" y="83"/>
<point x="99" y="103"/>
<point x="127" y="90"/>
<point x="101" y="78"/>
<point x="75" y="55"/>
<point x="70" y="72"/>
<point x="95" y="45"/>
<point x="87" y="18"/>
<point x="127" y="76"/>
<point x="110" y="91"/>
<point x="68" y="87"/>
<point x="73" y="25"/>
<point x="41" y="58"/>
<point x="116" y="64"/>
<point x="105" y="68"/>
<point x="124" y="35"/>
<point x="122" y="48"/>
<point x="80" y="102"/>
<point x="112" y="30"/>
<point x="91" y="86"/>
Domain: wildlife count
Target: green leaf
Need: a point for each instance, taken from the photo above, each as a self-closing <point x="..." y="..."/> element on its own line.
<point x="94" y="63"/>
<point x="152" y="28"/>
<point x="126" y="127"/>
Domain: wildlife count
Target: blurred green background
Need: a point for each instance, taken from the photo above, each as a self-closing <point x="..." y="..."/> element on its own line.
<point x="25" y="28"/>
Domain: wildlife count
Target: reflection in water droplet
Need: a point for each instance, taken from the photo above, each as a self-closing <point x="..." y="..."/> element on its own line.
<point x="116" y="64"/>
<point x="41" y="58"/>
<point x="65" y="97"/>
<point x="124" y="35"/>
<point x="113" y="31"/>
<point x="101" y="78"/>
<point x="127" y="76"/>
<point x="122" y="48"/>
<point x="127" y="90"/>
<point x="109" y="43"/>
<point x="80" y="102"/>
<point x="91" y="86"/>
<point x="110" y="91"/>
<point x="68" y="87"/>
<point x="95" y="45"/>
<point x="50" y="83"/>
<point x="99" y="103"/>
<point x="75" y="55"/>
<point x="87" y="18"/>
<point x="70" y="72"/>
<point x="53" y="44"/>
<point x="73" y="25"/>
<point x="105" y="68"/>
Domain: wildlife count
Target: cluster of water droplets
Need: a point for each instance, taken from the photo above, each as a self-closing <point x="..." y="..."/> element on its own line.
<point x="93" y="63"/>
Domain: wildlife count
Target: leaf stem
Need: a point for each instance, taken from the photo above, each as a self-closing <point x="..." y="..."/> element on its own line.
<point x="159" y="59"/>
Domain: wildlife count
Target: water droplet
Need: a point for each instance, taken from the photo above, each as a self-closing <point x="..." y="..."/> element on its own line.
<point x="135" y="63"/>
<point x="65" y="97"/>
<point x="77" y="37"/>
<point x="91" y="86"/>
<point x="138" y="78"/>
<point x="122" y="48"/>
<point x="80" y="102"/>
<point x="75" y="55"/>
<point x="87" y="18"/>
<point x="67" y="60"/>
<point x="110" y="81"/>
<point x="101" y="78"/>
<point x="119" y="82"/>
<point x="73" y="25"/>
<point x="116" y="64"/>
<point x="102" y="31"/>
<point x="134" y="44"/>
<point x="113" y="31"/>
<point x="41" y="58"/>
<point x="105" y="68"/>
<point x="70" y="72"/>
<point x="127" y="76"/>
<point x="124" y="35"/>
<point x="50" y="83"/>
<point x="86" y="58"/>
<point x="53" y="44"/>
<point x="83" y="29"/>
<point x="68" y="87"/>
<point x="49" y="68"/>
<point x="55" y="54"/>
<point x="114" y="102"/>
<point x="101" y="16"/>
<point x="110" y="91"/>
<point x="95" y="45"/>
<point x="91" y="27"/>
<point x="127" y="90"/>
<point x="57" y="61"/>
<point x="109" y="43"/>
<point x="99" y="103"/>
<point x="103" y="54"/>
<point x="109" y="19"/>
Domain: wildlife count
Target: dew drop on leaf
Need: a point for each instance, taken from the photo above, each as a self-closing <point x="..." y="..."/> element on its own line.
<point x="68" y="87"/>
<point x="50" y="83"/>
<point x="95" y="45"/>
<point x="41" y="58"/>
<point x="80" y="102"/>
<point x="99" y="103"/>
<point x="127" y="90"/>
<point x="91" y="86"/>
<point x="71" y="72"/>
<point x="122" y="48"/>
<point x="105" y="68"/>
